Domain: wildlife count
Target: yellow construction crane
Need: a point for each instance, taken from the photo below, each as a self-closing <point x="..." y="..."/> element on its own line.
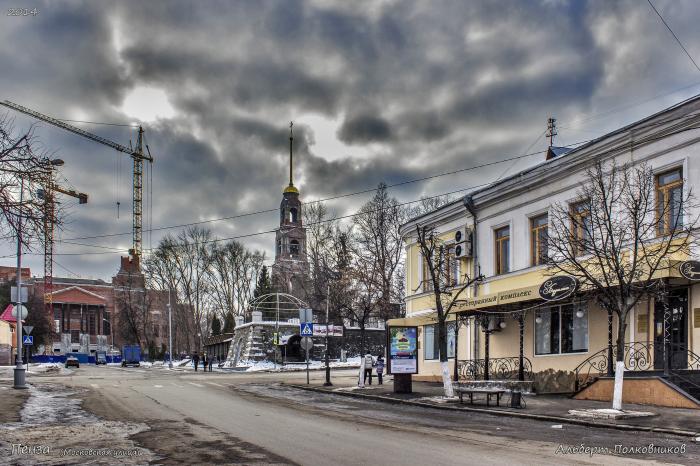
<point x="48" y="194"/>
<point x="136" y="154"/>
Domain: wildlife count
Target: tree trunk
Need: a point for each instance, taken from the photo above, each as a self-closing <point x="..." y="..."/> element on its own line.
<point x="444" y="364"/>
<point x="620" y="361"/>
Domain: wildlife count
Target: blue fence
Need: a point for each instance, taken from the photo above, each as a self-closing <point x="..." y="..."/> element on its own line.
<point x="83" y="358"/>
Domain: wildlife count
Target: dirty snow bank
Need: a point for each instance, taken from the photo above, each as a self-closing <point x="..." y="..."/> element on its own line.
<point x="53" y="420"/>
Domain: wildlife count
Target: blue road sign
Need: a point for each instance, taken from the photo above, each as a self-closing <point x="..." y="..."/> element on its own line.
<point x="306" y="329"/>
<point x="28" y="340"/>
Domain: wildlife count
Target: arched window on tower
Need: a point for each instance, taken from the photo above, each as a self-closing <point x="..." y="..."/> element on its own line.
<point x="293" y="215"/>
<point x="294" y="247"/>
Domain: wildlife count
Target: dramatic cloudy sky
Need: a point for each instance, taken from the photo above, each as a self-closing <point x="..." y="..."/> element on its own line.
<point x="378" y="90"/>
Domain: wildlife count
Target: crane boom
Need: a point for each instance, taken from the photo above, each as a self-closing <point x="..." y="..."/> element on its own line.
<point x="137" y="155"/>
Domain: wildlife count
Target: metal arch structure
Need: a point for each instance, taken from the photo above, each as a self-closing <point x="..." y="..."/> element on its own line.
<point x="281" y="305"/>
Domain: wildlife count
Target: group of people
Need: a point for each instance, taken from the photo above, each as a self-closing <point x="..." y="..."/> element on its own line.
<point x="206" y="361"/>
<point x="368" y="362"/>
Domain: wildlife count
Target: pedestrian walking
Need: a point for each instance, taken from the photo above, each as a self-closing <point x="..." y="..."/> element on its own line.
<point x="204" y="362"/>
<point x="211" y="362"/>
<point x="380" y="369"/>
<point x="369" y="362"/>
<point x="195" y="359"/>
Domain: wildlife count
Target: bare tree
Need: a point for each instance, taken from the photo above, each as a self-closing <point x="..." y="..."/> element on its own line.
<point x="446" y="290"/>
<point x="187" y="258"/>
<point x="378" y="246"/>
<point x="617" y="239"/>
<point x="24" y="171"/>
<point x="233" y="273"/>
<point x="321" y="228"/>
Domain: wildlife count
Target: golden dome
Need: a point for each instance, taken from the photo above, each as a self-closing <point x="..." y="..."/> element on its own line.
<point x="291" y="189"/>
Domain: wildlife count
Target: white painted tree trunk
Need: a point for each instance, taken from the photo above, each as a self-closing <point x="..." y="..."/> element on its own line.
<point x="446" y="379"/>
<point x="619" y="377"/>
<point x="361" y="379"/>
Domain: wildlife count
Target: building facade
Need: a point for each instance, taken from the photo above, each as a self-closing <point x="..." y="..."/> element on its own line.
<point x="504" y="328"/>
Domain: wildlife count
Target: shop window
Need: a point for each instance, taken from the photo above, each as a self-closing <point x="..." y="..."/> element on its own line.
<point x="669" y="197"/>
<point x="561" y="330"/>
<point x="581" y="227"/>
<point x="538" y="239"/>
<point x="502" y="236"/>
<point x="431" y="341"/>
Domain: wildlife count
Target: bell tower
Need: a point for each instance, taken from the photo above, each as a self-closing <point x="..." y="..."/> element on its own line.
<point x="290" y="268"/>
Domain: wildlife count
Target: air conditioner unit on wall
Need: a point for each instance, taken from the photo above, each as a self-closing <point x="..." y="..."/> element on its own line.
<point x="463" y="243"/>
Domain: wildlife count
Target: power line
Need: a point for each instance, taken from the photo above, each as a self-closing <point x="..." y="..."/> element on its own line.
<point x="673" y="34"/>
<point x="330" y="198"/>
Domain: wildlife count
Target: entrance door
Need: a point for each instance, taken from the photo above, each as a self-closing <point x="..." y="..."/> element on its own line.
<point x="678" y="307"/>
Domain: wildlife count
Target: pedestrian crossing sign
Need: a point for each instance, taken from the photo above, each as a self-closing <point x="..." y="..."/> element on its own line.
<point x="27" y="340"/>
<point x="306" y="329"/>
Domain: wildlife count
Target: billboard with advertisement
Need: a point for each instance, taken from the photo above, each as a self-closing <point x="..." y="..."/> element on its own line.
<point x="403" y="350"/>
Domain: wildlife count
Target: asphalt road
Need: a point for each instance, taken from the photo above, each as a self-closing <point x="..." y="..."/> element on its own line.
<point x="275" y="424"/>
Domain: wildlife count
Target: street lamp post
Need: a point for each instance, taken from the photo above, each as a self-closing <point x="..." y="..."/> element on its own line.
<point x="327" y="383"/>
<point x="19" y="375"/>
<point x="170" y="332"/>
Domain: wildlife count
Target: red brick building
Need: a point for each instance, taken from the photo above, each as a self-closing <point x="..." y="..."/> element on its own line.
<point x="94" y="315"/>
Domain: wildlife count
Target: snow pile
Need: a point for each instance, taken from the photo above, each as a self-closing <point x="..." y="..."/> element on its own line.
<point x="259" y="366"/>
<point x="184" y="362"/>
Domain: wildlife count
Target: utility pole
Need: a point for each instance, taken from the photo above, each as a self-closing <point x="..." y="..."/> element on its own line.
<point x="19" y="375"/>
<point x="170" y="331"/>
<point x="327" y="383"/>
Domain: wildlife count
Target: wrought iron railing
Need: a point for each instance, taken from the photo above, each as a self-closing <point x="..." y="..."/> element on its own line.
<point x="639" y="356"/>
<point x="498" y="369"/>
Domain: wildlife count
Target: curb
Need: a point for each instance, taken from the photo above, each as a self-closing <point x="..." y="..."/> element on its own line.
<point x="495" y="412"/>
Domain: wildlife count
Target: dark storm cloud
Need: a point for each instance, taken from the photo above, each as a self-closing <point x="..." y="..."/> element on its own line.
<point x="415" y="88"/>
<point x="363" y="129"/>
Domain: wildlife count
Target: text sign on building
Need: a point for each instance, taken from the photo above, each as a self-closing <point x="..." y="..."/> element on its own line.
<point x="558" y="288"/>
<point x="332" y="330"/>
<point x="690" y="270"/>
<point x="403" y="350"/>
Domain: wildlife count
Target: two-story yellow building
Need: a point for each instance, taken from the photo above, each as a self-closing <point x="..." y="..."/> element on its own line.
<point x="509" y="328"/>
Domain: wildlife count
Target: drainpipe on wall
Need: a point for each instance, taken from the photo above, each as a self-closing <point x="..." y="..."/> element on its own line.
<point x="471" y="208"/>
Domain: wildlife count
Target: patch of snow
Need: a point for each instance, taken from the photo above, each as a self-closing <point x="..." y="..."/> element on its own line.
<point x="439" y="399"/>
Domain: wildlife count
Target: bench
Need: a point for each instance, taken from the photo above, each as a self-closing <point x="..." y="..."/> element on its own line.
<point x="488" y="391"/>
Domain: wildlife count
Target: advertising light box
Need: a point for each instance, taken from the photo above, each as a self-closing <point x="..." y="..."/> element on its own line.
<point x="403" y="350"/>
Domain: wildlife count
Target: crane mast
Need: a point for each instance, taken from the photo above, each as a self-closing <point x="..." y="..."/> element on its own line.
<point x="137" y="155"/>
<point x="50" y="188"/>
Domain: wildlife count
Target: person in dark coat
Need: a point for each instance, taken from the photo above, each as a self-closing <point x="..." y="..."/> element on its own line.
<point x="195" y="359"/>
<point x="380" y="368"/>
<point x="204" y="362"/>
<point x="211" y="362"/>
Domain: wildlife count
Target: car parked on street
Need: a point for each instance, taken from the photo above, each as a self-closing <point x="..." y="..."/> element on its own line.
<point x="100" y="358"/>
<point x="72" y="361"/>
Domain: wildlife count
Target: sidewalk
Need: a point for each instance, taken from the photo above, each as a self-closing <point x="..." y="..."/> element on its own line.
<point x="549" y="408"/>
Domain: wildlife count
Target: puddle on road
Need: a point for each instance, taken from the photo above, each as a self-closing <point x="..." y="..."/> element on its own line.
<point x="54" y="429"/>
